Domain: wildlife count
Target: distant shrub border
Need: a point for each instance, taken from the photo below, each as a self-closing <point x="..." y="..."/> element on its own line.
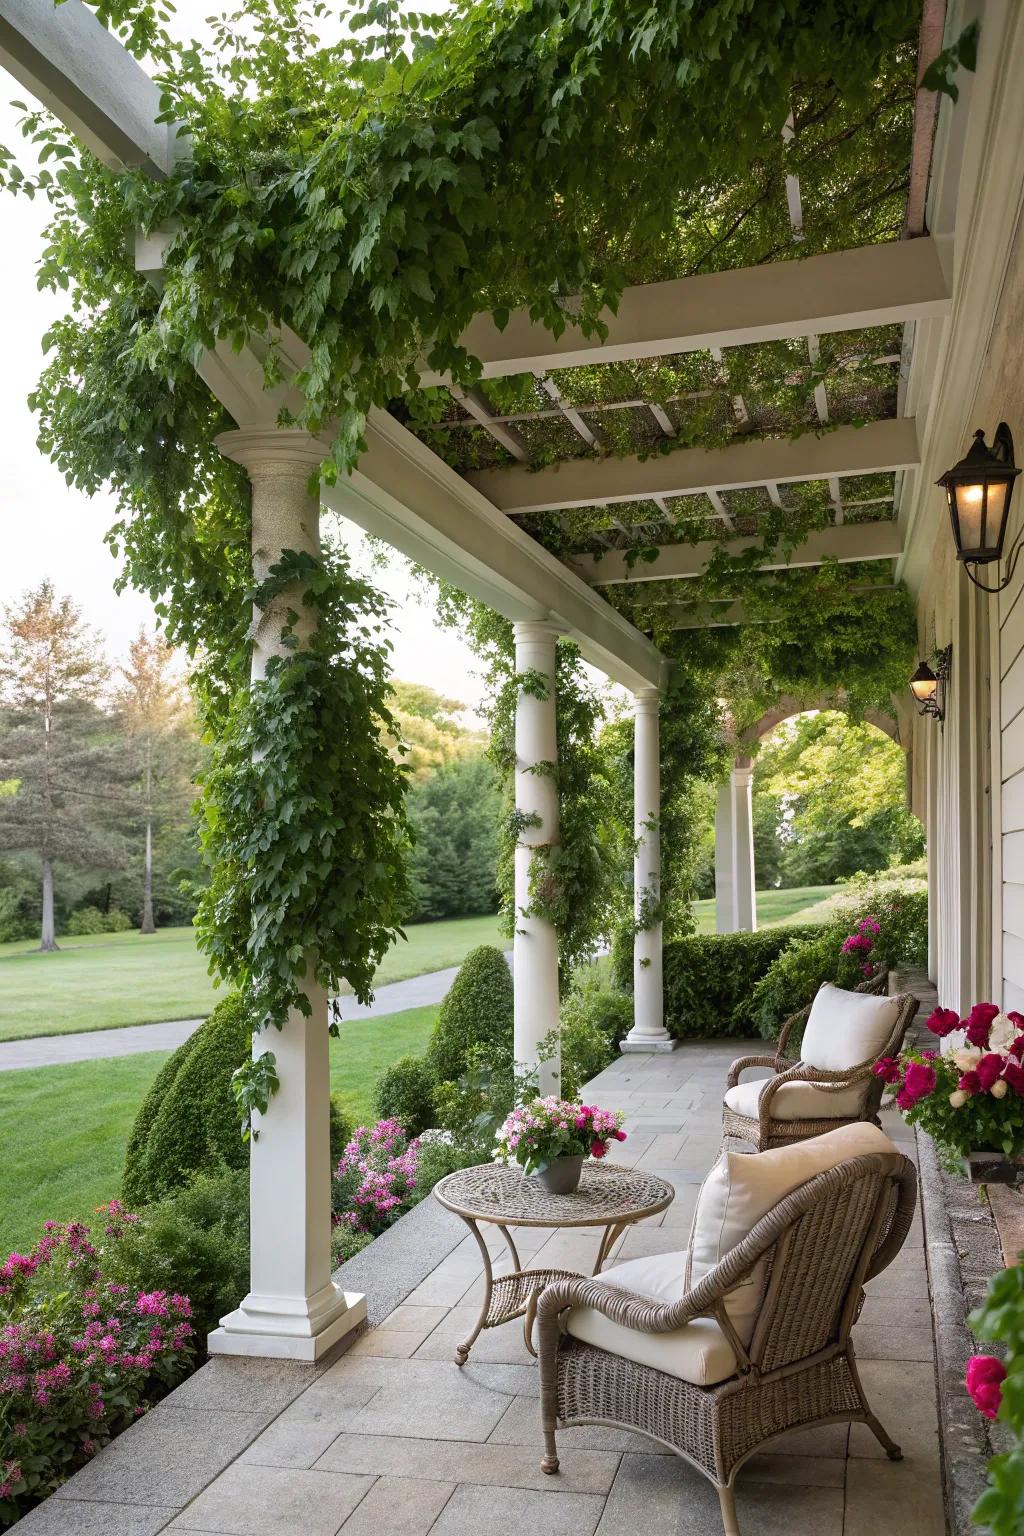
<point x="709" y="978"/>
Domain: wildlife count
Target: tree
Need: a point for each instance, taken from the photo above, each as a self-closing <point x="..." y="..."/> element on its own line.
<point x="156" y="717"/>
<point x="454" y="814"/>
<point x="427" y="729"/>
<point x="55" y="742"/>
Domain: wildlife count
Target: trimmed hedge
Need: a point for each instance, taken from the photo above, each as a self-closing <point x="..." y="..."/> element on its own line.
<point x="476" y="1014"/>
<point x="709" y="978"/>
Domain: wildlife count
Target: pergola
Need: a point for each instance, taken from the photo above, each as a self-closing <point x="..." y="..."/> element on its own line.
<point x="507" y="493"/>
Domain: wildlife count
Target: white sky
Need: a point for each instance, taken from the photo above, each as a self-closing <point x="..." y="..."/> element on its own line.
<point x="51" y="530"/>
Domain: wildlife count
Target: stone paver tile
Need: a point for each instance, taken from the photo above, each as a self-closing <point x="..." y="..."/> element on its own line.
<point x="391" y="1344"/>
<point x="504" y="1345"/>
<point x="891" y="1496"/>
<point x="398" y="1506"/>
<point x="875" y="1342"/>
<point x="822" y="1440"/>
<point x="165" y="1458"/>
<point x="663" y="1496"/>
<point x="291" y="1442"/>
<point x="493" y="1465"/>
<point x="896" y="1311"/>
<point x="521" y="1426"/>
<point x="512" y="1380"/>
<point x="308" y="1425"/>
<point x="428" y="1399"/>
<point x="472" y="1510"/>
<point x="243" y="1386"/>
<point x="644" y="1239"/>
<point x="806" y="1471"/>
<point x="274" y="1501"/>
<point x="75" y="1517"/>
<point x="407" y="1319"/>
<point x="902" y="1396"/>
<point x="439" y="1291"/>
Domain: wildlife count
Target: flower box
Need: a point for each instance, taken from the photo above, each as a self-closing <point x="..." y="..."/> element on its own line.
<point x="988" y="1166"/>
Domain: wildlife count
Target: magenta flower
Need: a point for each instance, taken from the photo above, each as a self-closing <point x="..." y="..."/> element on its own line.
<point x="943" y="1021"/>
<point x="970" y="1084"/>
<point x="979" y="1022"/>
<point x="1013" y="1074"/>
<point x="984" y="1381"/>
<point x="918" y="1083"/>
<point x="888" y="1069"/>
<point x="988" y="1069"/>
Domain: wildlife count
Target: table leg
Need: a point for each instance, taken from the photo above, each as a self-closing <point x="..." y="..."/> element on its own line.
<point x="510" y="1245"/>
<point x="463" y="1349"/>
<point x="608" y="1241"/>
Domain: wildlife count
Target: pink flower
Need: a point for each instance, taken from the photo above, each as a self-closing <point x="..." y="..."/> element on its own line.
<point x="969" y="1084"/>
<point x="918" y="1083"/>
<point x="887" y="1068"/>
<point x="597" y="1149"/>
<point x="1013" y="1073"/>
<point x="984" y="1379"/>
<point x="979" y="1022"/>
<point x="943" y="1021"/>
<point x="989" y="1068"/>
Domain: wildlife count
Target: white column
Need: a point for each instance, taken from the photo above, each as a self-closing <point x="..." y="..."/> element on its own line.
<point x="648" y="1032"/>
<point x="535" y="946"/>
<point x="293" y="1310"/>
<point x="735" y="902"/>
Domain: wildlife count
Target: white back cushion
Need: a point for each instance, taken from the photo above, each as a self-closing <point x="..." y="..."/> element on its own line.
<point x="846" y="1029"/>
<point x="744" y="1186"/>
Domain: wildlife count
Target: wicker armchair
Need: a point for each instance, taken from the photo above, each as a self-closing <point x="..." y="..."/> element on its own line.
<point x="854" y="1088"/>
<point x="821" y="1244"/>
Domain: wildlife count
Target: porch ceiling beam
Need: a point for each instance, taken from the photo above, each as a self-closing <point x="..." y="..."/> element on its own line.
<point x="68" y="61"/>
<point x="812" y="295"/>
<point x="850" y="542"/>
<point x="880" y="445"/>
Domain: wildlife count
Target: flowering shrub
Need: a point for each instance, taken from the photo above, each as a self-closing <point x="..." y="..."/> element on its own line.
<point x="997" y="1389"/>
<point x="80" y="1358"/>
<point x="861" y="942"/>
<point x="536" y="1133"/>
<point x="375" y="1179"/>
<point x="971" y="1098"/>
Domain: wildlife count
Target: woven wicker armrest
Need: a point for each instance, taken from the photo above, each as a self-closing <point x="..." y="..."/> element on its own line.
<point x="743" y="1062"/>
<point x="828" y="1082"/>
<point x="625" y="1307"/>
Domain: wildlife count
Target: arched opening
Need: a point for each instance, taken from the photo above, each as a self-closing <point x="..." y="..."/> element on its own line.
<point x="844" y="812"/>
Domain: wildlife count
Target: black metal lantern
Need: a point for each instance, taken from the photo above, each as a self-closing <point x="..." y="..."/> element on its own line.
<point x="929" y="687"/>
<point x="979" y="490"/>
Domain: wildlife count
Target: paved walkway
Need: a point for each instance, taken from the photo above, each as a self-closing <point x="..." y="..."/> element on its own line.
<point x="91" y="1045"/>
<point x="392" y="1439"/>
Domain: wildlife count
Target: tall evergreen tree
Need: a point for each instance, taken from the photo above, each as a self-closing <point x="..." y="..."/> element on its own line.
<point x="454" y="814"/>
<point x="55" y="743"/>
<point x="156" y="716"/>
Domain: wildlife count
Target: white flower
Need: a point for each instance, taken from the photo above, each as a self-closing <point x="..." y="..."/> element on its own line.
<point x="998" y="1089"/>
<point x="1002" y="1034"/>
<point x="958" y="1098"/>
<point x="967" y="1057"/>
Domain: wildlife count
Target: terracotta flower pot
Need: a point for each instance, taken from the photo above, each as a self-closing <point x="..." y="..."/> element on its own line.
<point x="562" y="1176"/>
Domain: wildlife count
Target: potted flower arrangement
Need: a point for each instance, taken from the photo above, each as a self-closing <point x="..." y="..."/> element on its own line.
<point x="971" y="1099"/>
<point x="551" y="1137"/>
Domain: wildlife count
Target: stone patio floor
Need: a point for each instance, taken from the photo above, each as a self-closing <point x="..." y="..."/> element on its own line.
<point x="393" y="1439"/>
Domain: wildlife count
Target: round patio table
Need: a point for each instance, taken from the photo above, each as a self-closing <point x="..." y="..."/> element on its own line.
<point x="608" y="1196"/>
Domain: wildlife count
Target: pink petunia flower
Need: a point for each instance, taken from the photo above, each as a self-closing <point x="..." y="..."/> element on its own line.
<point x="984" y="1381"/>
<point x="943" y="1022"/>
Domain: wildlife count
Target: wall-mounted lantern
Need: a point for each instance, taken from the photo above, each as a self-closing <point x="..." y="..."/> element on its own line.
<point x="929" y="687"/>
<point x="979" y="490"/>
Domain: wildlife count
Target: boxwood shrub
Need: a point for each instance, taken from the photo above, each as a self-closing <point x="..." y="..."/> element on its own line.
<point x="709" y="978"/>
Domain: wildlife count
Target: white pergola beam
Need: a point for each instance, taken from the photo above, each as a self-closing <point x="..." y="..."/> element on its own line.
<point x="71" y="64"/>
<point x="877" y="446"/>
<point x="839" y="291"/>
<point x="851" y="542"/>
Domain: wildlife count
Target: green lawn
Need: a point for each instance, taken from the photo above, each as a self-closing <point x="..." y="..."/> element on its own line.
<point x="67" y="1174"/>
<point x="106" y="980"/>
<point x="773" y="907"/>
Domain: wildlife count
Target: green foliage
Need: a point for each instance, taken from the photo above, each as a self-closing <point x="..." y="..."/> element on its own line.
<point x="405" y="1092"/>
<point x="709" y="979"/>
<point x="1001" y="1318"/>
<point x="194" y="1241"/>
<point x="454" y="815"/>
<point x="601" y="1012"/>
<point x="346" y="1243"/>
<point x="477" y="1013"/>
<point x="91" y="920"/>
<point x="439" y="1155"/>
<point x="793" y="979"/>
<point x="342" y="1126"/>
<point x="304" y="807"/>
<point x="188" y="1122"/>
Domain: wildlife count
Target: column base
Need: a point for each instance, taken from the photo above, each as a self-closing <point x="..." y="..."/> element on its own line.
<point x="646" y="1045"/>
<point x="266" y="1326"/>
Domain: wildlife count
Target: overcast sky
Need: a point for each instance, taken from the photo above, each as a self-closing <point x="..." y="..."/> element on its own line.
<point x="50" y="530"/>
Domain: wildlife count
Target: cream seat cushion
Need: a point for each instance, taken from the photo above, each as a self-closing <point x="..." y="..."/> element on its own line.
<point x="799" y="1101"/>
<point x="744" y="1186"/>
<point x="846" y="1029"/>
<point x="698" y="1352"/>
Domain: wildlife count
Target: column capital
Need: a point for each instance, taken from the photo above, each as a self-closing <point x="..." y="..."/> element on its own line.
<point x="646" y="701"/>
<point x="525" y="630"/>
<point x="273" y="451"/>
<point x="743" y="770"/>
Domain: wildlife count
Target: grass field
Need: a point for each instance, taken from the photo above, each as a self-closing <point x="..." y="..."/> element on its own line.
<point x="63" y="1130"/>
<point x="797" y="905"/>
<point x="111" y="979"/>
